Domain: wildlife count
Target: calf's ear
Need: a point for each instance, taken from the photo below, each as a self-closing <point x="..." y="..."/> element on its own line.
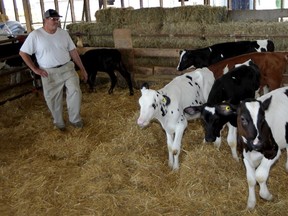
<point x="145" y="85"/>
<point x="193" y="110"/>
<point x="266" y="103"/>
<point x="226" y="109"/>
<point x="166" y="100"/>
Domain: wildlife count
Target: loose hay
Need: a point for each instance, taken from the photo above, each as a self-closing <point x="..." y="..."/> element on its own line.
<point x="112" y="167"/>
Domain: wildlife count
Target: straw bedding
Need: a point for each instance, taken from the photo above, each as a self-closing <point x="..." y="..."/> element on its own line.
<point x="112" y="167"/>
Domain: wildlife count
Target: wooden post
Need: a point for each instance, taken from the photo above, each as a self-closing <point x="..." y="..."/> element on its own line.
<point x="104" y="4"/>
<point x="122" y="38"/>
<point x="28" y="16"/>
<point x="2" y="8"/>
<point x="16" y="10"/>
<point x="229" y="4"/>
<point x="122" y="4"/>
<point x="56" y="5"/>
<point x="72" y="10"/>
<point x="141" y="3"/>
<point x="42" y="8"/>
<point x="86" y="11"/>
<point x="161" y="3"/>
<point x="123" y="42"/>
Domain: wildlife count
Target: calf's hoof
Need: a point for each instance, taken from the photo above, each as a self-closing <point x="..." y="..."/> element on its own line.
<point x="91" y="90"/>
<point x="110" y="91"/>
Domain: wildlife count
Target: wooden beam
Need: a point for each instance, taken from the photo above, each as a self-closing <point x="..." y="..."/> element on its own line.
<point x="104" y="4"/>
<point x="154" y="52"/>
<point x="86" y="11"/>
<point x="56" y="5"/>
<point x="42" y="8"/>
<point x="229" y="4"/>
<point x="28" y="16"/>
<point x="122" y="4"/>
<point x="2" y="7"/>
<point x="16" y="10"/>
<point x="72" y="9"/>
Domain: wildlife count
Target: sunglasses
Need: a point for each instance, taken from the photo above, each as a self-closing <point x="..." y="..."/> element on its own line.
<point x="53" y="18"/>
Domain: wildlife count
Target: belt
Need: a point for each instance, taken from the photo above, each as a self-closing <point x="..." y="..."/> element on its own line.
<point x="58" y="66"/>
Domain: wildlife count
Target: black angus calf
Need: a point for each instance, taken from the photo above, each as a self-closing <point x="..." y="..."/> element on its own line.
<point x="207" y="56"/>
<point x="105" y="60"/>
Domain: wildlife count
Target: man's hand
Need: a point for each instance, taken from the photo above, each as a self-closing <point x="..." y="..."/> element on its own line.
<point x="41" y="72"/>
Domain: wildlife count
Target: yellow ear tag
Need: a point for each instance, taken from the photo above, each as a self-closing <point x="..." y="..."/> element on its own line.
<point x="227" y="108"/>
<point x="163" y="100"/>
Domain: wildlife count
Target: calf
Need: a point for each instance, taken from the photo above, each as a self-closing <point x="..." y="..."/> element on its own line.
<point x="207" y="56"/>
<point x="167" y="105"/>
<point x="272" y="65"/>
<point x="239" y="83"/>
<point x="105" y="60"/>
<point x="262" y="133"/>
<point x="9" y="58"/>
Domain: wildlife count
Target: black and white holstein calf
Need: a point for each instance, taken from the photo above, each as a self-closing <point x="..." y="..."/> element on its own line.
<point x="238" y="84"/>
<point x="262" y="133"/>
<point x="207" y="56"/>
<point x="105" y="60"/>
<point x="167" y="106"/>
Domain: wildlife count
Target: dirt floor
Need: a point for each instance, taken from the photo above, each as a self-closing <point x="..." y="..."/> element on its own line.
<point x="113" y="167"/>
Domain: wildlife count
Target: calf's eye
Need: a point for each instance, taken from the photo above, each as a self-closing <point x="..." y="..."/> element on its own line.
<point x="244" y="121"/>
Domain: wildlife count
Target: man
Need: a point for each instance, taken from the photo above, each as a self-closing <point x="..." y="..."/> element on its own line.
<point x="54" y="48"/>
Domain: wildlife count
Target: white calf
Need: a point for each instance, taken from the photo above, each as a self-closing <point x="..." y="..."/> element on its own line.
<point x="167" y="105"/>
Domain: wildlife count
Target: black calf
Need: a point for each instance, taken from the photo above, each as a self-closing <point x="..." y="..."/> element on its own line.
<point x="105" y="60"/>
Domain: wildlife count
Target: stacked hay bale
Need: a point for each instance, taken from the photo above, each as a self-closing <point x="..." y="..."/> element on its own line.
<point x="169" y="27"/>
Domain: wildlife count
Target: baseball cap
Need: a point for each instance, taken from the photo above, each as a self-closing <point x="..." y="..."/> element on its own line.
<point x="51" y="13"/>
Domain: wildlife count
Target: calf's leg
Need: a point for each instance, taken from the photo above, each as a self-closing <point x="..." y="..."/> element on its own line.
<point x="113" y="80"/>
<point x="232" y="140"/>
<point x="251" y="180"/>
<point x="176" y="148"/>
<point x="91" y="80"/>
<point x="262" y="174"/>
<point x="127" y="76"/>
<point x="169" y="138"/>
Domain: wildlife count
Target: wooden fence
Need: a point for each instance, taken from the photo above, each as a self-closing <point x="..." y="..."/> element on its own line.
<point x="123" y="42"/>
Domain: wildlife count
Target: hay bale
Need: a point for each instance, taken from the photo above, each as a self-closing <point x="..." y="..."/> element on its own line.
<point x="253" y="31"/>
<point x="120" y="16"/>
<point x="198" y="13"/>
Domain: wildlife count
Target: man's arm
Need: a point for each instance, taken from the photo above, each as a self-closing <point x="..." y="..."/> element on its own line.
<point x="28" y="61"/>
<point x="76" y="58"/>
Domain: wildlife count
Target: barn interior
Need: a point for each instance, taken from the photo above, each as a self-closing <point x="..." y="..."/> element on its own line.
<point x="111" y="166"/>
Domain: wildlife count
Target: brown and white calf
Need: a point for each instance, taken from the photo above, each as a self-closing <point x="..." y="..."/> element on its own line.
<point x="272" y="65"/>
<point x="262" y="131"/>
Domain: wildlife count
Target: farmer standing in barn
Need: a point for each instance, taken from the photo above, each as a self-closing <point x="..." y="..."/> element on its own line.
<point x="54" y="48"/>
